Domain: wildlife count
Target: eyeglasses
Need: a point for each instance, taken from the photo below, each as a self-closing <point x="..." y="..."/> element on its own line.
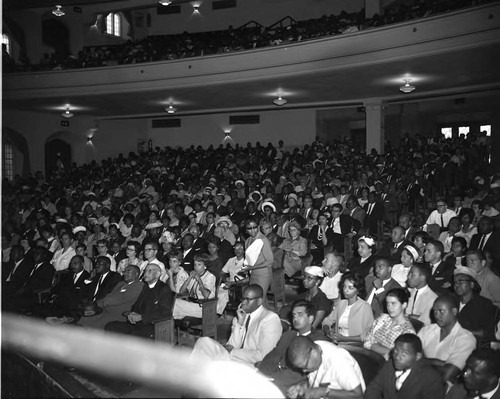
<point x="309" y="278"/>
<point x="247" y="299"/>
<point x="461" y="281"/>
<point x="149" y="249"/>
<point x="252" y="227"/>
<point x="130" y="249"/>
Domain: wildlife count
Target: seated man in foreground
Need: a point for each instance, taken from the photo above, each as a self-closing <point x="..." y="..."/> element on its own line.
<point x="332" y="371"/>
<point x="120" y="300"/>
<point x="447" y="344"/>
<point x="255" y="332"/>
<point x="275" y="363"/>
<point x="481" y="376"/>
<point x="154" y="303"/>
<point x="407" y="374"/>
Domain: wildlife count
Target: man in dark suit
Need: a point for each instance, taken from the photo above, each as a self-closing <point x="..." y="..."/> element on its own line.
<point x="405" y="221"/>
<point x="342" y="226"/>
<point x="481" y="377"/>
<point x="442" y="271"/>
<point x="102" y="281"/>
<point x="210" y="226"/>
<point x="305" y="211"/>
<point x="487" y="240"/>
<point x="155" y="302"/>
<point x="199" y="243"/>
<point x="67" y="294"/>
<point x="407" y="375"/>
<point x="379" y="285"/>
<point x="188" y="252"/>
<point x="393" y="248"/>
<point x="374" y="213"/>
<point x="40" y="278"/>
<point x="16" y="271"/>
<point x="353" y="209"/>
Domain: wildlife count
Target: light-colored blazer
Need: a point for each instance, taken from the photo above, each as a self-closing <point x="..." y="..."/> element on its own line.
<point x="264" y="332"/>
<point x="360" y="317"/>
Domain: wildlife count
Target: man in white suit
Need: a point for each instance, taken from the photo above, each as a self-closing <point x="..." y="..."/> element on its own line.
<point x="255" y="332"/>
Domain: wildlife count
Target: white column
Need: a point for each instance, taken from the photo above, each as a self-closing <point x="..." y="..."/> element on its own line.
<point x="375" y="118"/>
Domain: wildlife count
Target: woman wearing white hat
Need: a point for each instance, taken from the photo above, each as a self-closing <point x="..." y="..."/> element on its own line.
<point x="409" y="255"/>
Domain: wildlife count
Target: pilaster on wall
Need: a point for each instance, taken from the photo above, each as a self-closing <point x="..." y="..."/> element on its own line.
<point x="375" y="125"/>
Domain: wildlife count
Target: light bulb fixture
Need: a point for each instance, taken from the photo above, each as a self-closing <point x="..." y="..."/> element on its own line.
<point x="67" y="113"/>
<point x="279" y="101"/>
<point x="165" y="2"/>
<point x="89" y="140"/>
<point x="407" y="87"/>
<point x="171" y="109"/>
<point x="58" y="12"/>
<point x="196" y="8"/>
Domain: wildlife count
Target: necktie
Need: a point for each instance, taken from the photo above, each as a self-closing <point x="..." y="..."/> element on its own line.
<point x="98" y="286"/>
<point x="246" y="331"/>
<point x="482" y="242"/>
<point x="75" y="277"/>
<point x="414" y="301"/>
<point x="370" y="209"/>
<point x="442" y="221"/>
<point x="398" y="381"/>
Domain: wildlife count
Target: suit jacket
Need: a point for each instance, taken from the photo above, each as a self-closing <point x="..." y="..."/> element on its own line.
<point x="20" y="274"/>
<point x="388" y="251"/>
<point x="264" y="332"/>
<point x="492" y="245"/>
<point x="409" y="233"/>
<point x="363" y="268"/>
<point x="107" y="285"/>
<point x="200" y="245"/>
<point x="423" y="382"/>
<point x="303" y="212"/>
<point x="378" y="303"/>
<point x="441" y="281"/>
<point x="458" y="391"/>
<point x="188" y="261"/>
<point x="371" y="220"/>
<point x="154" y="303"/>
<point x="70" y="293"/>
<point x="41" y="278"/>
<point x="358" y="214"/>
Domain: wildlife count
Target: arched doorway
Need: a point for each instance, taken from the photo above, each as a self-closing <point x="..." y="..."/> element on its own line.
<point x="57" y="155"/>
<point x="56" y="35"/>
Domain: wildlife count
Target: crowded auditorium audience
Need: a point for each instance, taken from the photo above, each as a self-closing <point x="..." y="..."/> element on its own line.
<point x="120" y="244"/>
<point x="249" y="36"/>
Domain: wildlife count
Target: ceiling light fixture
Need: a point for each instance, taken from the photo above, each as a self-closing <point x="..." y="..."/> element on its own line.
<point x="165" y="2"/>
<point x="196" y="8"/>
<point x="407" y="87"/>
<point x="58" y="12"/>
<point x="279" y="101"/>
<point x="67" y="113"/>
<point x="171" y="109"/>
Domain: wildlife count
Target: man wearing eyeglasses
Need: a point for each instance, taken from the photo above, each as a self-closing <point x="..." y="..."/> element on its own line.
<point x="150" y="251"/>
<point x="332" y="371"/>
<point x="255" y="332"/>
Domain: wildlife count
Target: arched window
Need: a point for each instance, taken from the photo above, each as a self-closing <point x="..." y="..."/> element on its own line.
<point x="6" y="41"/>
<point x="113" y="24"/>
<point x="8" y="161"/>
